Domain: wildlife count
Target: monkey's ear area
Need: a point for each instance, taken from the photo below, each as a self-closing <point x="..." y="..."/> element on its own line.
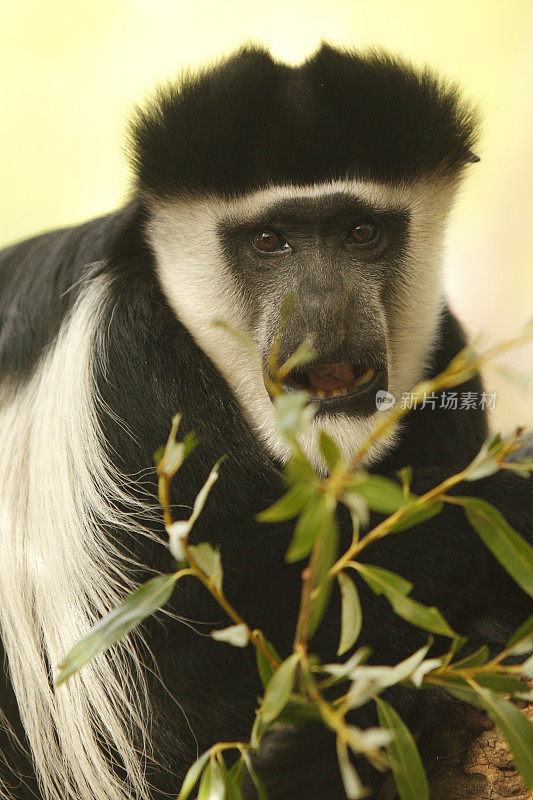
<point x="472" y="158"/>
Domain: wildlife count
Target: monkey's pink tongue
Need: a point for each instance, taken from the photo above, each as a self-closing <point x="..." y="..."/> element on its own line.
<point x="327" y="379"/>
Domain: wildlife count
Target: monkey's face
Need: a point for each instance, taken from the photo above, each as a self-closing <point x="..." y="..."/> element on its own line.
<point x="338" y="259"/>
<point x="362" y="264"/>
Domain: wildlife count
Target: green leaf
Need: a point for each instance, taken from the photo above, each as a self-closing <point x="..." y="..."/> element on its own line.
<point x="527" y="669"/>
<point x="208" y="559"/>
<point x="299" y="470"/>
<point x="516" y="728"/>
<point x="380" y="494"/>
<point x="278" y="690"/>
<point x="485" y="463"/>
<point x="313" y="522"/>
<point x="459" y="688"/>
<point x="405" y="476"/>
<point x="299" y="711"/>
<point x="329" y="449"/>
<point x="193" y="775"/>
<point x="232" y="785"/>
<point x="382" y="576"/>
<point x="287" y="506"/>
<point x="474" y="659"/>
<point x="258" y="783"/>
<point x="351" y="618"/>
<point x="522" y="640"/>
<point x="264" y="667"/>
<point x="158" y="455"/>
<point x="237" y="770"/>
<point x="294" y="412"/>
<point x="212" y="785"/>
<point x="384" y="582"/>
<point x="325" y="552"/>
<point x="405" y="759"/>
<point x="418" y="514"/>
<point x="504" y="684"/>
<point x="303" y="354"/>
<point x="512" y="551"/>
<point x="178" y="531"/>
<point x="170" y="458"/>
<point x="144" y="601"/>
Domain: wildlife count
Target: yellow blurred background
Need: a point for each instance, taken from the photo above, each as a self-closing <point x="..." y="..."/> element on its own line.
<point x="71" y="71"/>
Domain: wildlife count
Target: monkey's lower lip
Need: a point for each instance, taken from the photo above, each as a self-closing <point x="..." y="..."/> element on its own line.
<point x="326" y="381"/>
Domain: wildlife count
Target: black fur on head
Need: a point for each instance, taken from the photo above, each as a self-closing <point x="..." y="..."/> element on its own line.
<point x="251" y="122"/>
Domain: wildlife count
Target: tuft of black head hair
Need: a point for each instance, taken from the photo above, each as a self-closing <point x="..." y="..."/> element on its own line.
<point x="251" y="122"/>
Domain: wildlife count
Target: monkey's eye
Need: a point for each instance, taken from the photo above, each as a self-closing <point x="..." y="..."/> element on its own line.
<point x="362" y="233"/>
<point x="270" y="242"/>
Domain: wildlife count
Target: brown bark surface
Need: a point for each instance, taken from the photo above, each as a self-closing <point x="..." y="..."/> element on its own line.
<point x="467" y="759"/>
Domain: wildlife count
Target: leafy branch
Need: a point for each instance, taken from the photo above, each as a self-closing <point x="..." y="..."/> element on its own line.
<point x="295" y="686"/>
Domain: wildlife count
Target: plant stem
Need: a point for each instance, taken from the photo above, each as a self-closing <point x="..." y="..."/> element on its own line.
<point x="255" y="636"/>
<point x="388" y="524"/>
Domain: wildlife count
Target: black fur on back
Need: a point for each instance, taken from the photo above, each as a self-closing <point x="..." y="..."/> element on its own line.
<point x="153" y="369"/>
<point x="251" y="122"/>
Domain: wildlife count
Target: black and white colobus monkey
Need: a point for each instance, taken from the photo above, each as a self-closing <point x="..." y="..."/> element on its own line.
<point x="332" y="180"/>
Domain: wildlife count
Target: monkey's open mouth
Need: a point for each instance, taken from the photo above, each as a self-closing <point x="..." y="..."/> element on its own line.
<point x="339" y="379"/>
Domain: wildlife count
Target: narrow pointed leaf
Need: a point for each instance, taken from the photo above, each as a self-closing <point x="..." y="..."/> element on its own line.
<point x="428" y="618"/>
<point x="377" y="576"/>
<point x="329" y="449"/>
<point x="212" y="784"/>
<point x="512" y="551"/>
<point x="474" y="659"/>
<point x="294" y="411"/>
<point x="264" y="667"/>
<point x="208" y="559"/>
<point x="459" y="688"/>
<point x="418" y="514"/>
<point x="287" y="506"/>
<point x="179" y="530"/>
<point x="527" y="669"/>
<point x="405" y="476"/>
<point x="351" y="618"/>
<point x="503" y="684"/>
<point x="380" y="494"/>
<point x="313" y="522"/>
<point x="325" y="552"/>
<point x="193" y="775"/>
<point x="258" y="783"/>
<point x="232" y="786"/>
<point x="299" y="470"/>
<point x="299" y="711"/>
<point x="278" y="690"/>
<point x="516" y="728"/>
<point x="522" y="640"/>
<point x="406" y="763"/>
<point x="140" y="604"/>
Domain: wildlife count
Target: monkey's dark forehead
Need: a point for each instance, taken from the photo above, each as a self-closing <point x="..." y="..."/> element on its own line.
<point x="251" y="122"/>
